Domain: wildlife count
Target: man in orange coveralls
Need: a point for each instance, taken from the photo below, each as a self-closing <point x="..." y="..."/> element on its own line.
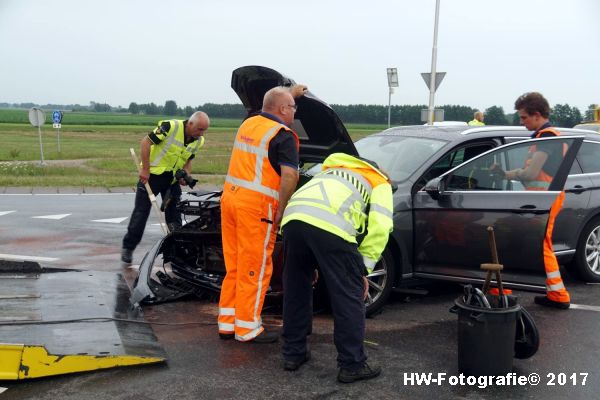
<point x="536" y="174"/>
<point x="262" y="175"/>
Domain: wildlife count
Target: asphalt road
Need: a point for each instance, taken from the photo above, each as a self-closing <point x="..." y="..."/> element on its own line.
<point x="414" y="334"/>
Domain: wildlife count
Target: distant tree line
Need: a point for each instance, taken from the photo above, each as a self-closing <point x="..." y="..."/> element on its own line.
<point x="561" y="115"/>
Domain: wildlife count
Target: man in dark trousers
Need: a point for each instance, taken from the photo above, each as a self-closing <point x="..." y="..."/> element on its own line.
<point x="321" y="222"/>
<point x="171" y="146"/>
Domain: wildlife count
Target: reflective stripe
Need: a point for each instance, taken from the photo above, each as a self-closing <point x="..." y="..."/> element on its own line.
<point x="248" y="324"/>
<point x="333" y="219"/>
<point x="263" y="264"/>
<point x="199" y="143"/>
<point x="226" y="327"/>
<point x="555" y="287"/>
<point x="356" y="180"/>
<point x="262" y="155"/>
<point x="553" y="274"/>
<point x="226" y="311"/>
<point x="381" y="210"/>
<point x="253" y="186"/>
<point x="248" y="336"/>
<point x="311" y="185"/>
<point x="170" y="141"/>
<point x="370" y="264"/>
<point x="248" y="148"/>
<point x="355" y="192"/>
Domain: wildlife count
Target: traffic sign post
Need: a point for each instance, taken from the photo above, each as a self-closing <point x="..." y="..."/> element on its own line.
<point x="37" y="118"/>
<point x="56" y="120"/>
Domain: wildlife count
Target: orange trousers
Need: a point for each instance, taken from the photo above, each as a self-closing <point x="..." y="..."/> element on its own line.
<point x="555" y="288"/>
<point x="248" y="241"/>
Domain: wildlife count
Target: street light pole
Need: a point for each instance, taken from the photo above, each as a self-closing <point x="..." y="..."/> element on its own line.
<point x="392" y="74"/>
<point x="432" y="78"/>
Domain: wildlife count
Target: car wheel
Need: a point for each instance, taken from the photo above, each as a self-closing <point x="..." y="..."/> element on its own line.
<point x="381" y="281"/>
<point x="587" y="257"/>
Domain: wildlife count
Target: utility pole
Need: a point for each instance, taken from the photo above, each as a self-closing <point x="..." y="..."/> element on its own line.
<point x="432" y="78"/>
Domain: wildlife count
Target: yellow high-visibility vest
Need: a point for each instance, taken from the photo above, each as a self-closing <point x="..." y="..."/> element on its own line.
<point x="346" y="197"/>
<point x="171" y="153"/>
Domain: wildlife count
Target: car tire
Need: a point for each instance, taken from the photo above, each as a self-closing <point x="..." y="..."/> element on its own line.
<point x="381" y="282"/>
<point x="587" y="257"/>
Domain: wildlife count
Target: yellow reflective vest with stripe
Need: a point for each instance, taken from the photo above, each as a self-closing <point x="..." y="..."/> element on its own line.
<point x="171" y="153"/>
<point x="348" y="198"/>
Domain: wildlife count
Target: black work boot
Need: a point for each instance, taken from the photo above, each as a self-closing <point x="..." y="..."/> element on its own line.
<point x="294" y="365"/>
<point x="365" y="372"/>
<point x="126" y="255"/>
<point x="546" y="302"/>
<point x="265" y="337"/>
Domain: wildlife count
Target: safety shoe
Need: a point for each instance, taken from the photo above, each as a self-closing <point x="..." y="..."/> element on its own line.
<point x="265" y="337"/>
<point x="365" y="372"/>
<point x="546" y="302"/>
<point x="226" y="336"/>
<point x="294" y="365"/>
<point x="126" y="255"/>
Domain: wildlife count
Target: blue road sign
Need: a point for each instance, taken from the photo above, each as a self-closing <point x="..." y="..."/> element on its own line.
<point x="56" y="117"/>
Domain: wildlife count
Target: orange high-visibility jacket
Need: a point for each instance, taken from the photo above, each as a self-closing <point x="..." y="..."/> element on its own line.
<point x="249" y="167"/>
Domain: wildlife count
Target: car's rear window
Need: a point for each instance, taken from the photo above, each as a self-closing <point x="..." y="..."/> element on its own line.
<point x="590" y="127"/>
<point x="398" y="156"/>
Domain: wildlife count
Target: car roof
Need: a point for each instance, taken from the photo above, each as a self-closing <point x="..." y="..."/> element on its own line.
<point x="463" y="133"/>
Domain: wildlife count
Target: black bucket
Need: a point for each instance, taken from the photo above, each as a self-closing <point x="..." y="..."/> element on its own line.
<point x="486" y="337"/>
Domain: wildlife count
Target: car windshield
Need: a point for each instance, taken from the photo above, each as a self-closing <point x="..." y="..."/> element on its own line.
<point x="398" y="156"/>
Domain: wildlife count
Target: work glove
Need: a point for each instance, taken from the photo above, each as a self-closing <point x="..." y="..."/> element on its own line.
<point x="298" y="90"/>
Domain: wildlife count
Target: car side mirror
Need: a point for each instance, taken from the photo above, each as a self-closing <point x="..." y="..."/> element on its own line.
<point x="435" y="187"/>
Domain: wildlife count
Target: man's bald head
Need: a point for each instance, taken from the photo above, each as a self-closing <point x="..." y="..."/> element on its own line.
<point x="278" y="101"/>
<point x="197" y="124"/>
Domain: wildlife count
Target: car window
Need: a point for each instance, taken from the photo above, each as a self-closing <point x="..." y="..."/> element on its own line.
<point x="589" y="157"/>
<point x="486" y="172"/>
<point x="590" y="127"/>
<point x="398" y="156"/>
<point x="451" y="160"/>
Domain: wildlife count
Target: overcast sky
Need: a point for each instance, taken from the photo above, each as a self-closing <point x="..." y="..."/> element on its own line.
<point x="119" y="51"/>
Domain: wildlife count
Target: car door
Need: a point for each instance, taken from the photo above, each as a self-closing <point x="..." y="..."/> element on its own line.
<point x="452" y="213"/>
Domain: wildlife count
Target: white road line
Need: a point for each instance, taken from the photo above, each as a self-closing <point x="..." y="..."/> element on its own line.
<point x="585" y="307"/>
<point x="56" y="216"/>
<point x="17" y="257"/>
<point x="2" y="389"/>
<point x="111" y="220"/>
<point x="6" y="212"/>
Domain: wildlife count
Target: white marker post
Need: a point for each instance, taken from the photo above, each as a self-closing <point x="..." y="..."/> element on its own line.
<point x="37" y="118"/>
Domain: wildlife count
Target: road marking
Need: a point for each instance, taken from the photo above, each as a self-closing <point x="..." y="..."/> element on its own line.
<point x="585" y="307"/>
<point x="3" y="389"/>
<point x="56" y="216"/>
<point x="6" y="212"/>
<point x="111" y="220"/>
<point x="17" y="257"/>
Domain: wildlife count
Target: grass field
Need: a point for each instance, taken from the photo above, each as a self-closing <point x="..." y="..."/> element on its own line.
<point x="98" y="154"/>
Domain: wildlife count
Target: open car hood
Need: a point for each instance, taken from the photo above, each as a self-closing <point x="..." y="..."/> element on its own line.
<point x="320" y="130"/>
